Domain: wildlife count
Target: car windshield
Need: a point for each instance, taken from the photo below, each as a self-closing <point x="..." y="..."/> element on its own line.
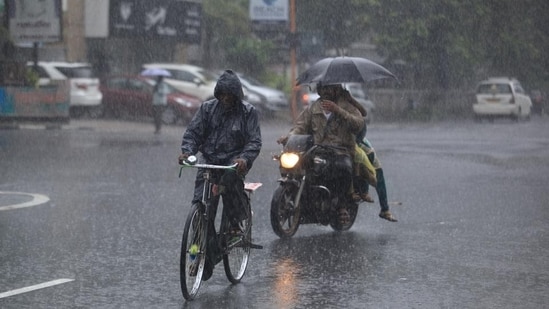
<point x="252" y="81"/>
<point x="208" y="76"/>
<point x="494" y="89"/>
<point x="77" y="72"/>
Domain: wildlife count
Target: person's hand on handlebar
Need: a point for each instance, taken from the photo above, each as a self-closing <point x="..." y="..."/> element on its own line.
<point x="182" y="157"/>
<point x="241" y="166"/>
<point x="282" y="140"/>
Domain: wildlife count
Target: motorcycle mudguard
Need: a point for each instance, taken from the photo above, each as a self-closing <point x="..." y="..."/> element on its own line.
<point x="298" y="143"/>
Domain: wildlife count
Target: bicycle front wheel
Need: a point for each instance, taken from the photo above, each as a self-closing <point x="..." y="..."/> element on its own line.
<point x="237" y="249"/>
<point x="193" y="252"/>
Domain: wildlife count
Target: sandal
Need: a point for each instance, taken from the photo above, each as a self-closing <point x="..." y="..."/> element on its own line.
<point x="357" y="197"/>
<point x="387" y="216"/>
<point x="366" y="197"/>
<point x="344" y="217"/>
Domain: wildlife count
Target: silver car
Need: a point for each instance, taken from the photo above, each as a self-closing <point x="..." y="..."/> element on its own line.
<point x="267" y="99"/>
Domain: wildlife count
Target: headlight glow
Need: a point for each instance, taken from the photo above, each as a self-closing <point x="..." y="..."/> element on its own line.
<point x="288" y="160"/>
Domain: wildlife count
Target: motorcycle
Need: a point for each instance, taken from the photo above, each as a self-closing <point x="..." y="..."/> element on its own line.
<point x="303" y="195"/>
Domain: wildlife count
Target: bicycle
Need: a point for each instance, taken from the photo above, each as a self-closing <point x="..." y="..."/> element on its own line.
<point x="203" y="240"/>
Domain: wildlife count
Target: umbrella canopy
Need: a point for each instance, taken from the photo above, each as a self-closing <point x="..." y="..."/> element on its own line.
<point x="155" y="72"/>
<point x="339" y="70"/>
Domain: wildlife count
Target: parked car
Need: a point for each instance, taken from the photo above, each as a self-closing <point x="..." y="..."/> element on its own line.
<point x="189" y="79"/>
<point x="85" y="95"/>
<point x="267" y="99"/>
<point x="308" y="95"/>
<point x="501" y="97"/>
<point x="131" y="96"/>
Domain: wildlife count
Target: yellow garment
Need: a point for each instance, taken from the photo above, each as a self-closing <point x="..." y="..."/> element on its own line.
<point x="366" y="169"/>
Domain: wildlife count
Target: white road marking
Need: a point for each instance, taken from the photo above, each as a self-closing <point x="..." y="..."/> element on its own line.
<point x="34" y="287"/>
<point x="37" y="199"/>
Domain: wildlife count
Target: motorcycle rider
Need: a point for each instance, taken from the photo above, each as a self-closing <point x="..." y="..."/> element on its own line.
<point x="333" y="121"/>
<point x="224" y="130"/>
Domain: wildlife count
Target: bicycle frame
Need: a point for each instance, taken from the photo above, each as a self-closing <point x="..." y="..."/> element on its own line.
<point x="234" y="247"/>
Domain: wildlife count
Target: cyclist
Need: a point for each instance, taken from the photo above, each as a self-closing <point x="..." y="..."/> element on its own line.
<point x="225" y="130"/>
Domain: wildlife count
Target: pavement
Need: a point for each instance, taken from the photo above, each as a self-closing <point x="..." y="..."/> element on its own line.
<point x="116" y="125"/>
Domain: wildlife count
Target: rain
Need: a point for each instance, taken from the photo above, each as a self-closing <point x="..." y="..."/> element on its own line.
<point x="92" y="209"/>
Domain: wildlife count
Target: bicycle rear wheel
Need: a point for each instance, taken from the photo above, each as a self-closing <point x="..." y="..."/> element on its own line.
<point x="193" y="252"/>
<point x="237" y="249"/>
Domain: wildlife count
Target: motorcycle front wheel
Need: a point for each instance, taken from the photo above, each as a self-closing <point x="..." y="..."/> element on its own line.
<point x="284" y="215"/>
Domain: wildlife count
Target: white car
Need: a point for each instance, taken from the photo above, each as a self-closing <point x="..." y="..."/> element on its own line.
<point x="189" y="79"/>
<point x="85" y="95"/>
<point x="501" y="97"/>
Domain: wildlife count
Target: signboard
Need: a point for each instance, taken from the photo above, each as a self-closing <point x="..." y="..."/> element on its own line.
<point x="34" y="21"/>
<point x="269" y="16"/>
<point x="269" y="10"/>
<point x="156" y="18"/>
<point x="31" y="103"/>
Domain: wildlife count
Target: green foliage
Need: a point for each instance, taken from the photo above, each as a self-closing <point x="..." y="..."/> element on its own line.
<point x="223" y="22"/>
<point x="248" y="55"/>
<point x="32" y="77"/>
<point x="452" y="43"/>
<point x="430" y="44"/>
<point x="342" y="22"/>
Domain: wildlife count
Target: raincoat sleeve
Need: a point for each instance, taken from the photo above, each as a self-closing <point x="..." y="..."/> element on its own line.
<point x="253" y="145"/>
<point x="194" y="136"/>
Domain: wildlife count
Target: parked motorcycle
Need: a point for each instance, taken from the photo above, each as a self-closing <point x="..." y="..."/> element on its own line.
<point x="303" y="195"/>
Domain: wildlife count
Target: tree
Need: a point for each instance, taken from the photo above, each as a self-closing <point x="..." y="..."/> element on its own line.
<point x="454" y="43"/>
<point x="224" y="21"/>
<point x="341" y="22"/>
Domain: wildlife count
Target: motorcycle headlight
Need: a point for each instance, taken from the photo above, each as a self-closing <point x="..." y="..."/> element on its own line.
<point x="288" y="160"/>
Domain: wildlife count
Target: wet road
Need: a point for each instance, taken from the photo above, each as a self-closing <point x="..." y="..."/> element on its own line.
<point x="105" y="230"/>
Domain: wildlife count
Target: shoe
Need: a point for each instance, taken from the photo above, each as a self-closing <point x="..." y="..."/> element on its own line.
<point x="366" y="197"/>
<point x="387" y="216"/>
<point x="237" y="229"/>
<point x="344" y="217"/>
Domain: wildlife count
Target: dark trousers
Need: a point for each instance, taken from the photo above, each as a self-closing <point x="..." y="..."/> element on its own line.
<point x="231" y="188"/>
<point x="381" y="190"/>
<point x="157" y="114"/>
<point x="339" y="176"/>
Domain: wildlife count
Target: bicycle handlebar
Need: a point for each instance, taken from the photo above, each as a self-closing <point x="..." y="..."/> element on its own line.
<point x="190" y="163"/>
<point x="212" y="166"/>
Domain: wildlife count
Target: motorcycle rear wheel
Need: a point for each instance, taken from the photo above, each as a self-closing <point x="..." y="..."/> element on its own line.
<point x="284" y="215"/>
<point x="352" y="208"/>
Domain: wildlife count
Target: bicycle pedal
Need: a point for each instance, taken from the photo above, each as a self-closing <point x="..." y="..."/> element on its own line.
<point x="234" y="240"/>
<point x="254" y="246"/>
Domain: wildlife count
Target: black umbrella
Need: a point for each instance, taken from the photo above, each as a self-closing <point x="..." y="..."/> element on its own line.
<point x="339" y="70"/>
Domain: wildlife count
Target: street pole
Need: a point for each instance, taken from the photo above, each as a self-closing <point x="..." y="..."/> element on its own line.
<point x="293" y="43"/>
